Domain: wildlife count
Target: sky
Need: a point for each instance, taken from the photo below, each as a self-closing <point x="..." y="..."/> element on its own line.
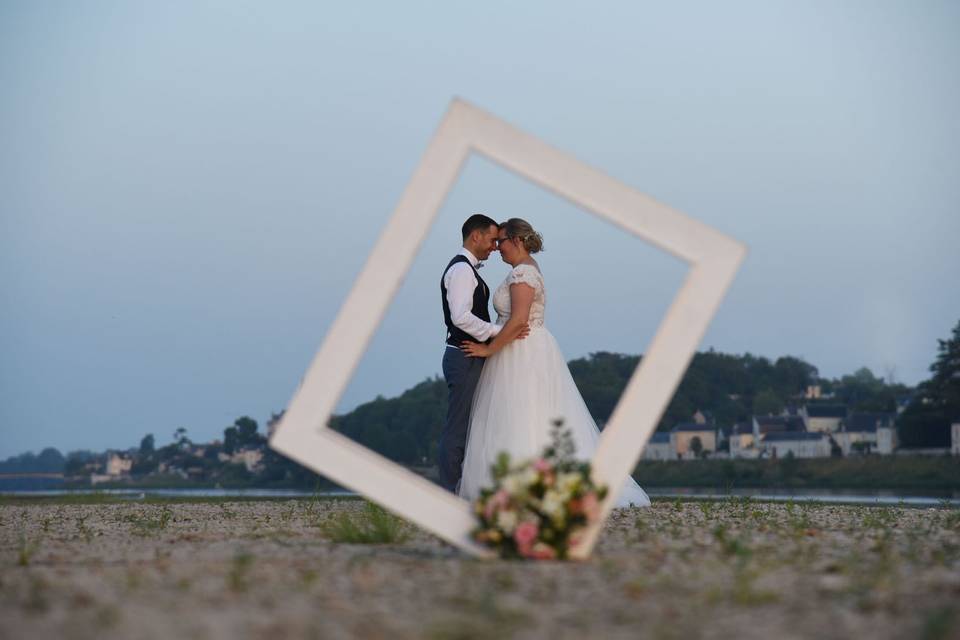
<point x="189" y="189"/>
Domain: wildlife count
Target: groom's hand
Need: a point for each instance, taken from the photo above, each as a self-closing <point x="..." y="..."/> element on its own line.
<point x="475" y="349"/>
<point x="524" y="332"/>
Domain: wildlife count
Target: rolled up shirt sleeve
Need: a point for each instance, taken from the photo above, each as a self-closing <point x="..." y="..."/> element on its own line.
<point x="460" y="283"/>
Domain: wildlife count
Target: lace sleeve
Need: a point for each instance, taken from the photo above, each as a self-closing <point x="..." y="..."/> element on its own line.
<point x="525" y="274"/>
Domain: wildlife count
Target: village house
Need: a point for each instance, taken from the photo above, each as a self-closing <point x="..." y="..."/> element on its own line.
<point x="659" y="447"/>
<point x="763" y="425"/>
<point x="860" y="433"/>
<point x="682" y="438"/>
<point x="823" y="417"/>
<point x="118" y="464"/>
<point x="742" y="441"/>
<point x="249" y="458"/>
<point x="746" y="437"/>
<point x="799" y="444"/>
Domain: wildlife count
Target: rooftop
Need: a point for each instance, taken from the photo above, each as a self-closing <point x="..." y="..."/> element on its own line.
<point x="867" y="422"/>
<point x="693" y="426"/>
<point x="826" y="410"/>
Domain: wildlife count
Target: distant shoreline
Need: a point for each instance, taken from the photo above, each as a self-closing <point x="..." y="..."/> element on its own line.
<point x="931" y="475"/>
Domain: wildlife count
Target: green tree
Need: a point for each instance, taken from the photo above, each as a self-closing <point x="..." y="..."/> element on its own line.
<point x="926" y="420"/>
<point x="696" y="445"/>
<point x="766" y="403"/>
<point x="147" y="445"/>
<point x="180" y="437"/>
<point x="247" y="431"/>
<point x="242" y="435"/>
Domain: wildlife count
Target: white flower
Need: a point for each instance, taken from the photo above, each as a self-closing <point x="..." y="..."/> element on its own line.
<point x="552" y="505"/>
<point x="567" y="483"/>
<point x="512" y="484"/>
<point x="507" y="521"/>
<point x="518" y="481"/>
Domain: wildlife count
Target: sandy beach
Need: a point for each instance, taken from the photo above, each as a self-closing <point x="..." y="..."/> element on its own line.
<point x="268" y="569"/>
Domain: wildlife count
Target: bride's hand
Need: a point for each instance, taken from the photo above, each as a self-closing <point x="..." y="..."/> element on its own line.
<point x="475" y="349"/>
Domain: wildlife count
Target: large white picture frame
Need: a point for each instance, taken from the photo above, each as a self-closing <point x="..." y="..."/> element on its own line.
<point x="713" y="259"/>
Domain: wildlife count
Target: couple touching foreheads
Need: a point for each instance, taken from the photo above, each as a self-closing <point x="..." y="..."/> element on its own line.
<point x="507" y="380"/>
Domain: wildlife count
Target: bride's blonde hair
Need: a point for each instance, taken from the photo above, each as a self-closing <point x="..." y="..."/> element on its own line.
<point x="520" y="229"/>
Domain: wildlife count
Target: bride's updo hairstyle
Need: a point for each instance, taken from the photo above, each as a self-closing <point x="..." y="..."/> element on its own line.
<point x="520" y="229"/>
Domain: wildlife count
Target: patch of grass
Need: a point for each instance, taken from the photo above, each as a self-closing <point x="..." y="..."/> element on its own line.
<point x="238" y="576"/>
<point x="939" y="623"/>
<point x="480" y="619"/>
<point x="82" y="528"/>
<point x="37" y="600"/>
<point x="26" y="549"/>
<point x="706" y="508"/>
<point x="736" y="547"/>
<point x="149" y="524"/>
<point x="373" y="526"/>
<point x="952" y="520"/>
<point x="745" y="593"/>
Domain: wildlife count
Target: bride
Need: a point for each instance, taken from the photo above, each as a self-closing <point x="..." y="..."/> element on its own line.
<point x="525" y="384"/>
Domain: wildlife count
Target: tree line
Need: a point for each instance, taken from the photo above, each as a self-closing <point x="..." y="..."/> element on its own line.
<point x="730" y="388"/>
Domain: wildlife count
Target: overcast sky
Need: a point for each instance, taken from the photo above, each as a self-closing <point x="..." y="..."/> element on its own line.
<point x="188" y="189"/>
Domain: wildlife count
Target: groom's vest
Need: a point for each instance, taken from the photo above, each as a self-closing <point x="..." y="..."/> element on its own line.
<point x="481" y="297"/>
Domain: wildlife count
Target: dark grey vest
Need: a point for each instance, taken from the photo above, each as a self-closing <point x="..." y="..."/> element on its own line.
<point x="481" y="298"/>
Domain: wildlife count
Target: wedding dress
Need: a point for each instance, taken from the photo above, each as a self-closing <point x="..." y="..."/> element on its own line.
<point x="523" y="388"/>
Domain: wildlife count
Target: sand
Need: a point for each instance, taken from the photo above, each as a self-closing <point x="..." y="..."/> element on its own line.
<point x="266" y="569"/>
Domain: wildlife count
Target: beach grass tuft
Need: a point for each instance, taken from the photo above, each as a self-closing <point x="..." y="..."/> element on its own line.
<point x="374" y="526"/>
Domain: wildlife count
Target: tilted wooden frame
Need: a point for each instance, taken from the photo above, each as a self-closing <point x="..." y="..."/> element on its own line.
<point x="714" y="258"/>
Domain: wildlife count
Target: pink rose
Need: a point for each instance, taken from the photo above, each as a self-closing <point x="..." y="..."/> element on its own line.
<point x="575" y="537"/>
<point x="542" y="465"/>
<point x="543" y="551"/>
<point x="497" y="501"/>
<point x="525" y="534"/>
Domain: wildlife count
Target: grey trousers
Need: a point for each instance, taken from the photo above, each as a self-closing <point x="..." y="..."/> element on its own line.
<point x="462" y="374"/>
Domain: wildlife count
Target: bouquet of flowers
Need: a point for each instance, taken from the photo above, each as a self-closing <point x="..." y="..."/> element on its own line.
<point x="538" y="508"/>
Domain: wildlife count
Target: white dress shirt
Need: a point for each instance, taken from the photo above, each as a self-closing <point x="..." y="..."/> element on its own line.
<point x="460" y="283"/>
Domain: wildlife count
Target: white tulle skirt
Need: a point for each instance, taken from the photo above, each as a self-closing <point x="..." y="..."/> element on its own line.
<point x="523" y="388"/>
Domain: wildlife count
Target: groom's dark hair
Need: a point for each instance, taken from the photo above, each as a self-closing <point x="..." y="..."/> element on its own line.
<point x="477" y="222"/>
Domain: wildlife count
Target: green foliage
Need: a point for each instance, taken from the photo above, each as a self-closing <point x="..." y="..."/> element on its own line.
<point x="27" y="547"/>
<point x="49" y="460"/>
<point x="867" y="472"/>
<point x="374" y="526"/>
<point x="864" y="392"/>
<point x="767" y="403"/>
<point x="936" y="405"/>
<point x="238" y="577"/>
<point x="150" y="523"/>
<point x="696" y="445"/>
<point x="405" y="429"/>
<point x="242" y="435"/>
<point x="726" y="385"/>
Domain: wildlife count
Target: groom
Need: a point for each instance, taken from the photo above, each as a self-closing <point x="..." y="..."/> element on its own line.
<point x="465" y="297"/>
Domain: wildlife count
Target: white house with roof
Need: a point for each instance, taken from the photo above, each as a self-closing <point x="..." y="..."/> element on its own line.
<point x="743" y="441"/>
<point x="800" y="444"/>
<point x="118" y="464"/>
<point x="659" y="447"/>
<point x="860" y="433"/>
<point x="250" y="458"/>
<point x="823" y="417"/>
